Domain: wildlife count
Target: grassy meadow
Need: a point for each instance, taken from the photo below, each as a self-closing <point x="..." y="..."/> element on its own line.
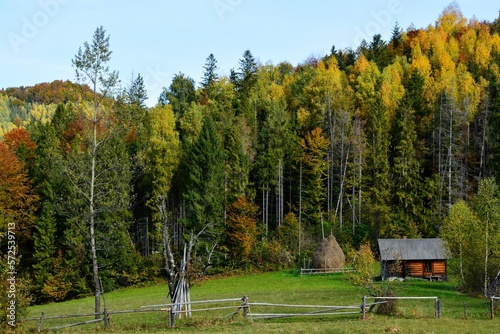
<point x="284" y="287"/>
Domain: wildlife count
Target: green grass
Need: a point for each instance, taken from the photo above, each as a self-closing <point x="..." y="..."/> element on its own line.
<point x="285" y="287"/>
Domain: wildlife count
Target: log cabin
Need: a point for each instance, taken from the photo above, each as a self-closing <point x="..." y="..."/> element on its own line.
<point x="416" y="258"/>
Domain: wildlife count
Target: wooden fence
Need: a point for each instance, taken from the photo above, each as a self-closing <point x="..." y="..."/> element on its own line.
<point x="308" y="271"/>
<point x="241" y="305"/>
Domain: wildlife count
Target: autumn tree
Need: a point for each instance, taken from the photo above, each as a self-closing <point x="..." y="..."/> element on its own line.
<point x="160" y="160"/>
<point x="314" y="147"/>
<point x="241" y="229"/>
<point x="18" y="201"/>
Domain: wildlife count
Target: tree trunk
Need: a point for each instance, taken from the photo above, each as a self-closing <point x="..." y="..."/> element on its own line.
<point x="95" y="265"/>
<point x="95" y="269"/>
<point x="168" y="256"/>
<point x="486" y="258"/>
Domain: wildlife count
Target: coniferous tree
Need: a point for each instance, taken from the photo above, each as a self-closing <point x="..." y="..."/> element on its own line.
<point x="204" y="192"/>
<point x="209" y="76"/>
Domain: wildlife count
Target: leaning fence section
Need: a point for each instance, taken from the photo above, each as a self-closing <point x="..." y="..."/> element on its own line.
<point x="380" y="300"/>
<point x="98" y="317"/>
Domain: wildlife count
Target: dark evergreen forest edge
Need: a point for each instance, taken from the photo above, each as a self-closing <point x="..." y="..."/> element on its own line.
<point x="249" y="172"/>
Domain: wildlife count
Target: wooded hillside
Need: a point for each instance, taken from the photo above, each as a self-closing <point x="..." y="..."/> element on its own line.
<point x="253" y="169"/>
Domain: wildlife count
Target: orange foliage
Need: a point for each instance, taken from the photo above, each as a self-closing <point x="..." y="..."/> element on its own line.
<point x="18" y="141"/>
<point x="17" y="199"/>
<point x="242" y="227"/>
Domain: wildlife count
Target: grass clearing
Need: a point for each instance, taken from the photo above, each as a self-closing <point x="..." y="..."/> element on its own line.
<point x="284" y="287"/>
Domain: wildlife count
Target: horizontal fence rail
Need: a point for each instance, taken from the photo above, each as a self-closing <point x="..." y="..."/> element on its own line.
<point x="308" y="271"/>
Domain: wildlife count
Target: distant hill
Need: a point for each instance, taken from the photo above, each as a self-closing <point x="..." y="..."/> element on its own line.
<point x="20" y="105"/>
<point x="46" y="93"/>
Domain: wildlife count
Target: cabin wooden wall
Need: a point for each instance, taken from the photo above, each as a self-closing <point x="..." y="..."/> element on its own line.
<point x="439" y="268"/>
<point x="435" y="268"/>
<point x="414" y="268"/>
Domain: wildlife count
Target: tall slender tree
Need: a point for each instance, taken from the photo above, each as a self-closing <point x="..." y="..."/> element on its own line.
<point x="87" y="169"/>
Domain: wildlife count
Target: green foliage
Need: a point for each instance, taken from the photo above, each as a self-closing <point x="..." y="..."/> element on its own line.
<point x="472" y="235"/>
<point x="205" y="184"/>
<point x="15" y="294"/>
<point x="363" y="261"/>
<point x="179" y="94"/>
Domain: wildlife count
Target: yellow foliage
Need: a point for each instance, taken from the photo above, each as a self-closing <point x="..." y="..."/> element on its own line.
<point x="422" y="41"/>
<point x="484" y="45"/>
<point x="468" y="92"/>
<point x="495" y="43"/>
<point x="452" y="19"/>
<point x="303" y="116"/>
<point x="453" y="49"/>
<point x="468" y="44"/>
<point x="420" y="62"/>
<point x="392" y="89"/>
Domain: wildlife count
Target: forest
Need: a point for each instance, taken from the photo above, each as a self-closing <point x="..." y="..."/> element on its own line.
<point x="250" y="171"/>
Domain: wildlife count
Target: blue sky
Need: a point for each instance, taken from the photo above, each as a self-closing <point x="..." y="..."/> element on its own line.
<point x="159" y="38"/>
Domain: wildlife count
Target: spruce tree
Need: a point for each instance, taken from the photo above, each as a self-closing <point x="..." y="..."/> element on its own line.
<point x="210" y="75"/>
<point x="204" y="195"/>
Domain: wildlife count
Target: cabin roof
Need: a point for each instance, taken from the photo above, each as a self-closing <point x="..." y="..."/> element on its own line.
<point x="412" y="249"/>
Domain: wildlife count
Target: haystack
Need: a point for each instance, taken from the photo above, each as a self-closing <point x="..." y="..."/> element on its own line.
<point x="329" y="255"/>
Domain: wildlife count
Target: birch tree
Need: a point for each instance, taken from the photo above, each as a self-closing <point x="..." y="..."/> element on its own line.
<point x="91" y="65"/>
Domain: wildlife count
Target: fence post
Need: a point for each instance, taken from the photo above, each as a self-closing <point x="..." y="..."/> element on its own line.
<point x="363" y="308"/>
<point x="106" y="319"/>
<point x="171" y="317"/>
<point x="39" y="327"/>
<point x="438" y="308"/>
<point x="244" y="304"/>
<point x="492" y="309"/>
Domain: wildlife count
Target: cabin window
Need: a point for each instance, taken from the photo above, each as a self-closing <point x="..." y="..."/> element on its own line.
<point x="427" y="266"/>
